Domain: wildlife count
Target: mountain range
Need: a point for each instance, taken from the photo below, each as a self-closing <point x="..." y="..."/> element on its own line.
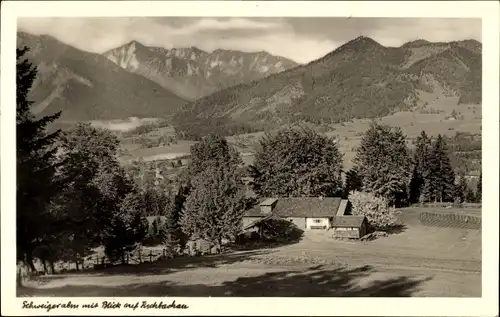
<point x="360" y="79"/>
<point x="87" y="86"/>
<point x="193" y="73"/>
<point x="247" y="91"/>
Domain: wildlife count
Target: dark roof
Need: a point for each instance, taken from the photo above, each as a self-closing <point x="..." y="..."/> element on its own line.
<point x="307" y="207"/>
<point x="348" y="221"/>
<point x="257" y="221"/>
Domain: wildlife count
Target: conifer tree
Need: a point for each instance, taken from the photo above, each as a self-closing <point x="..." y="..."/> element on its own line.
<point x="470" y="196"/>
<point x="36" y="167"/>
<point x="384" y="162"/>
<point x="353" y="181"/>
<point x="439" y="176"/>
<point x="479" y="189"/>
<point x="423" y="145"/>
<point x="462" y="189"/>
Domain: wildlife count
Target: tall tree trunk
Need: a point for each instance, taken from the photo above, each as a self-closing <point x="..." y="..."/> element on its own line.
<point x="29" y="260"/>
<point x="45" y="270"/>
<point x="77" y="265"/>
<point x="52" y="267"/>
<point x="219" y="245"/>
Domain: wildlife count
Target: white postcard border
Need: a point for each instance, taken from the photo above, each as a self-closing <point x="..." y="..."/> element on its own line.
<point x="487" y="10"/>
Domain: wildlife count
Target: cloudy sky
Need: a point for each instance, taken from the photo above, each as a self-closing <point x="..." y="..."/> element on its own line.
<point x="300" y="39"/>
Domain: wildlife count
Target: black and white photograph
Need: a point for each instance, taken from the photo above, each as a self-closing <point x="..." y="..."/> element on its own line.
<point x="248" y="156"/>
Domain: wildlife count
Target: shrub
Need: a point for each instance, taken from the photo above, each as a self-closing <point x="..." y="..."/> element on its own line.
<point x="375" y="209"/>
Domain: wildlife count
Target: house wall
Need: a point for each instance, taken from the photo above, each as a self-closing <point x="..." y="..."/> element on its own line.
<point x="315" y="222"/>
<point x="350" y="232"/>
<point x="266" y="209"/>
<point x="362" y="230"/>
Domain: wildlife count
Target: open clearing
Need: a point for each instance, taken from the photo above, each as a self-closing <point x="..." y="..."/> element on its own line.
<point x="418" y="261"/>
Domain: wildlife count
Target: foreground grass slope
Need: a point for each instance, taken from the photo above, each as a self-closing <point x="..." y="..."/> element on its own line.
<point x="419" y="261"/>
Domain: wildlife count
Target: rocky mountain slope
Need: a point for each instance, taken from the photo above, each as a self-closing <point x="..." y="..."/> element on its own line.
<point x="193" y="73"/>
<point x="360" y="79"/>
<point x="87" y="86"/>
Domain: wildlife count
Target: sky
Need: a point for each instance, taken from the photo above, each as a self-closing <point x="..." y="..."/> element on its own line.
<point x="299" y="39"/>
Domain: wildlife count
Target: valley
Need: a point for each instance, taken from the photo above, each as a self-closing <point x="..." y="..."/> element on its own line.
<point x="145" y="145"/>
<point x="161" y="101"/>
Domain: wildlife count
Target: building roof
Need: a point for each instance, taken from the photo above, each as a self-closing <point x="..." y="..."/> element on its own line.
<point x="307" y="207"/>
<point x="342" y="207"/>
<point x="257" y="221"/>
<point x="348" y="221"/>
<point x="268" y="202"/>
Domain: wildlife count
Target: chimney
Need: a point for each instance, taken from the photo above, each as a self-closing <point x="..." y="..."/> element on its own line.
<point x="267" y="206"/>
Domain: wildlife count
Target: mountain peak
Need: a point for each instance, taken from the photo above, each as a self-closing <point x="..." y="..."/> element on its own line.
<point x="416" y="43"/>
<point x="361" y="42"/>
<point x="364" y="40"/>
<point x="134" y="43"/>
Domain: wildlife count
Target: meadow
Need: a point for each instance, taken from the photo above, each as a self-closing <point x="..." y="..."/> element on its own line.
<point x="441" y="115"/>
<point x="419" y="260"/>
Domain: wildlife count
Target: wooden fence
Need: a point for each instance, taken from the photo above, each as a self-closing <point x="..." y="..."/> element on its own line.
<point x="448" y="205"/>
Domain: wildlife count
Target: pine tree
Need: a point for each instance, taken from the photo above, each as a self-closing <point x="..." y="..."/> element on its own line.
<point x="384" y="162"/>
<point x="439" y="176"/>
<point x="36" y="167"/>
<point x="470" y="196"/>
<point x="353" y="181"/>
<point x="479" y="189"/>
<point x="461" y="191"/>
<point x="298" y="163"/>
<point x="423" y="145"/>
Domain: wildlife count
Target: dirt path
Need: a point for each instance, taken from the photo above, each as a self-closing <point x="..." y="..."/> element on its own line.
<point x="421" y="261"/>
<point x="252" y="279"/>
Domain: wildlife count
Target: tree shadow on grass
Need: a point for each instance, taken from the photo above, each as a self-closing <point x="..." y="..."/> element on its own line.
<point x="396" y="229"/>
<point x="315" y="281"/>
<point x="275" y="233"/>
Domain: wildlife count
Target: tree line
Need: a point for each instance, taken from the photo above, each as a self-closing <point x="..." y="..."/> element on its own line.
<point x="73" y="194"/>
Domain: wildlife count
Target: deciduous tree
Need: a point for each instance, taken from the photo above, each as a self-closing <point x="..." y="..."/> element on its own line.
<point x="211" y="151"/>
<point x="299" y="163"/>
<point x="375" y="208"/>
<point x="384" y="163"/>
<point x="127" y="229"/>
<point x="97" y="184"/>
<point x="214" y="208"/>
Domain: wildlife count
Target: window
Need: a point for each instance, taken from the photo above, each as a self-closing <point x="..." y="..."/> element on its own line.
<point x="317" y="220"/>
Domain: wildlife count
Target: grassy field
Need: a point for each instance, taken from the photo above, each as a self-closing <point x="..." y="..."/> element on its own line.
<point x="435" y="119"/>
<point x="418" y="261"/>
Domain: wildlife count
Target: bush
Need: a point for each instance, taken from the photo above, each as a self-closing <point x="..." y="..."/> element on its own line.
<point x="375" y="209"/>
